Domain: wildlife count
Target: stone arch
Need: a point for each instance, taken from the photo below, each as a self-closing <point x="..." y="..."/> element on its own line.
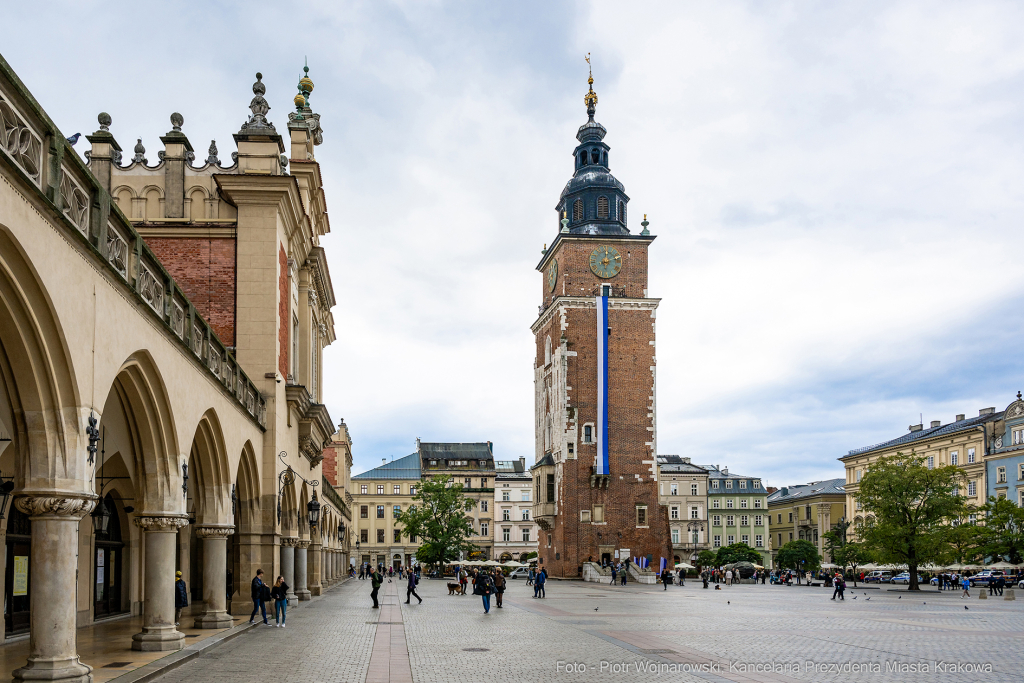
<point x="150" y="423"/>
<point x="300" y="516"/>
<point x="154" y="206"/>
<point x="247" y="489"/>
<point x="289" y="521"/>
<point x="209" y="473"/>
<point x="124" y="196"/>
<point x="45" y="422"/>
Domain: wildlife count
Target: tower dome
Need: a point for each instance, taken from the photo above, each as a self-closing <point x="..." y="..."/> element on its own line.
<point x="593" y="200"/>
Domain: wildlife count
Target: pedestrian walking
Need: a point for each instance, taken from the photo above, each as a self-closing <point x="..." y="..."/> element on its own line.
<point x="666" y="578"/>
<point x="484" y="587"/>
<point x="499" y="587"/>
<point x="259" y="590"/>
<point x="530" y="577"/>
<point x="965" y="584"/>
<point x="279" y="594"/>
<point x="624" y="574"/>
<point x="615" y="573"/>
<point x="841" y="583"/>
<point x="704" y="578"/>
<point x="410" y="589"/>
<point x="728" y="577"/>
<point x="180" y="597"/>
<point x="376" y="581"/>
<point x="682" y="576"/>
<point x="539" y="582"/>
<point x="463" y="580"/>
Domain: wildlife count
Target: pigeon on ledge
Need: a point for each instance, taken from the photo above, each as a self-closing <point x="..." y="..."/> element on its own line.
<point x="73" y="140"/>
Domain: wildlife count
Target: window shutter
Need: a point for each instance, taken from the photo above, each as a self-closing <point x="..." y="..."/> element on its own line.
<point x="577" y="211"/>
<point x="602" y="207"/>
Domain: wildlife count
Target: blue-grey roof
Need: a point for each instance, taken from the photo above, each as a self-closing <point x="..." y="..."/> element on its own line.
<point x="403" y="468"/>
<point x="678" y="464"/>
<point x="815" y="488"/>
<point x="715" y="473"/>
<point x="482" y="450"/>
<point x="969" y="424"/>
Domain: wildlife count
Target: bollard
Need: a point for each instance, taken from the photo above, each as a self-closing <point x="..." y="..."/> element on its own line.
<point x="982" y="595"/>
<point x="1009" y="595"/>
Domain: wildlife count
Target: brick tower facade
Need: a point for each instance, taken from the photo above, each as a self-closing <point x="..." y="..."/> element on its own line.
<point x="596" y="476"/>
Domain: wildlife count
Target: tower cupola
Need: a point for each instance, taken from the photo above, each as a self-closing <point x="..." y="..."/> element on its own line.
<point x="593" y="201"/>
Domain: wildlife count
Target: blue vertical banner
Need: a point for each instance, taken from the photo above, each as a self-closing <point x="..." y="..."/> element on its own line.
<point x="602" y="385"/>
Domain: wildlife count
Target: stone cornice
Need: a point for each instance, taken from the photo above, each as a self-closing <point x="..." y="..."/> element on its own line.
<point x="190" y="230"/>
<point x="614" y="303"/>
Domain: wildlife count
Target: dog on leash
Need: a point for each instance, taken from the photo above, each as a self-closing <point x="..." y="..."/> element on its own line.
<point x="454" y="589"/>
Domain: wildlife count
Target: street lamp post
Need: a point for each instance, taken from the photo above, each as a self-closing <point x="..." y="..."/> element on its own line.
<point x="693" y="529"/>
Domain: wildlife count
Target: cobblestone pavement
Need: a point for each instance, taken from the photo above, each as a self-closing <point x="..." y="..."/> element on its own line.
<point x="740" y="633"/>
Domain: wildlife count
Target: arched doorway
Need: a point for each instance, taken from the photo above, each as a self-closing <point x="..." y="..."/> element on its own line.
<point x="108" y="560"/>
<point x="505" y="557"/>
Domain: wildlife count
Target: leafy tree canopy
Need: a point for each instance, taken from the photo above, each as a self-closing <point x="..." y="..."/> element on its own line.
<point x="706" y="558"/>
<point x="438" y="518"/>
<point x="1003" y="533"/>
<point x="737" y="552"/>
<point x="799" y="554"/>
<point x="909" y="507"/>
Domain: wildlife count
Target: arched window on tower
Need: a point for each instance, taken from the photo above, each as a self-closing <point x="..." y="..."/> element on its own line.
<point x="577" y="211"/>
<point x="583" y="158"/>
<point x="604" y="155"/>
<point x="602" y="207"/>
<point x="622" y="212"/>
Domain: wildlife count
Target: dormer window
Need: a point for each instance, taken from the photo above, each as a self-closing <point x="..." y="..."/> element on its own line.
<point x="577" y="210"/>
<point x="602" y="207"/>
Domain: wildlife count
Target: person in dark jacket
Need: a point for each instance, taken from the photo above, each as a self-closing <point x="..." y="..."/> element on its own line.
<point x="410" y="589"/>
<point x="376" y="579"/>
<point x="483" y="586"/>
<point x="279" y="594"/>
<point x="499" y="586"/>
<point x="180" y="597"/>
<point x="258" y="604"/>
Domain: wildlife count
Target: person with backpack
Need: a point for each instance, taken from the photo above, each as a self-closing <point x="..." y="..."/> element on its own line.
<point x="376" y="580"/>
<point x="499" y="586"/>
<point x="463" y="579"/>
<point x="484" y="586"/>
<point x="410" y="589"/>
<point x="279" y="594"/>
<point x="259" y="589"/>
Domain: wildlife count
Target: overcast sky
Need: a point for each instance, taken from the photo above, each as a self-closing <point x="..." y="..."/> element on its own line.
<point x="836" y="191"/>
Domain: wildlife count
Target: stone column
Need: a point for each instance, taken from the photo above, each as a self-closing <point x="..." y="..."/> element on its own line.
<point x="158" y="631"/>
<point x="53" y="653"/>
<point x="215" y="560"/>
<point x="317" y="564"/>
<point x="300" y="569"/>
<point x="288" y="568"/>
<point x="824" y="526"/>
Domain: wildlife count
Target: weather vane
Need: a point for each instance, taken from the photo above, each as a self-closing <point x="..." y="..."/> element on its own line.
<point x="590" y="99"/>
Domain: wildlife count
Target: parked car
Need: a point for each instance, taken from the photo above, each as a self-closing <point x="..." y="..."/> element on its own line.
<point x="983" y="578"/>
<point x="904" y="578"/>
<point x="519" y="573"/>
<point x="878" y="576"/>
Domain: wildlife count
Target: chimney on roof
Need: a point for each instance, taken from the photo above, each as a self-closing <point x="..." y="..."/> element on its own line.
<point x="725" y="470"/>
<point x="417" y="443"/>
<point x="685" y="460"/>
<point x="785" y="490"/>
<point x="771" y="490"/>
<point x="986" y="411"/>
<point x="383" y="461"/>
<point x="959" y="417"/>
<point x="522" y="461"/>
<point x="936" y="423"/>
<point x="916" y="428"/>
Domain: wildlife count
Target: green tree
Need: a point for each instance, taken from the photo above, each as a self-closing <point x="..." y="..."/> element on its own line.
<point x="852" y="555"/>
<point x="438" y="518"/>
<point x="706" y="558"/>
<point x="909" y="508"/>
<point x="737" y="552"/>
<point x="799" y="554"/>
<point x="963" y="543"/>
<point x="1003" y="533"/>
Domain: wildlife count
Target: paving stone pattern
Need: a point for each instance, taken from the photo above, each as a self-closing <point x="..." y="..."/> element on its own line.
<point x="449" y="638"/>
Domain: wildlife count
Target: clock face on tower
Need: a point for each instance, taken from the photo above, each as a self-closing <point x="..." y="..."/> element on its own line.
<point x="605" y="262"/>
<point x="552" y="275"/>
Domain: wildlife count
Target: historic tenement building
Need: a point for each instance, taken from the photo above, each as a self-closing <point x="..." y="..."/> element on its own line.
<point x="378" y="497"/>
<point x="805" y="512"/>
<point x="596" y="475"/>
<point x="683" y="490"/>
<point x="161" y="333"/>
<point x="472" y="465"/>
<point x="515" y="531"/>
<point x="967" y="443"/>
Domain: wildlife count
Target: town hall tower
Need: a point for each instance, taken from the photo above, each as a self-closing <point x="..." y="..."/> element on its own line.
<point x="596" y="476"/>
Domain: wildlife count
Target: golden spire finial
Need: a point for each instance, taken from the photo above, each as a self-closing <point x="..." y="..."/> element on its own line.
<point x="590" y="99"/>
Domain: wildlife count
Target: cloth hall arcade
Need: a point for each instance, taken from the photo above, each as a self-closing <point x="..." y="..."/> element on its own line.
<point x="161" y="333"/>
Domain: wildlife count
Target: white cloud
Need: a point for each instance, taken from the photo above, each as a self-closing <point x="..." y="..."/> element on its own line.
<point x="835" y="190"/>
